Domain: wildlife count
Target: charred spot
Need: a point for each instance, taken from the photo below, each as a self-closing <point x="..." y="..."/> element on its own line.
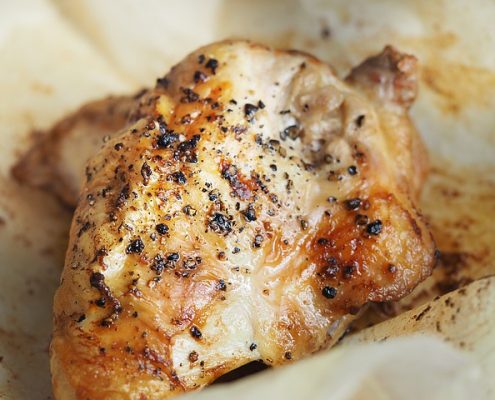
<point x="253" y="346"/>
<point x="219" y="223"/>
<point x="97" y="280"/>
<point x="135" y="247"/>
<point x="201" y="58"/>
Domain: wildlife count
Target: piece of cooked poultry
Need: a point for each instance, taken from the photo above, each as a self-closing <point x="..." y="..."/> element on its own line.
<point x="252" y="206"/>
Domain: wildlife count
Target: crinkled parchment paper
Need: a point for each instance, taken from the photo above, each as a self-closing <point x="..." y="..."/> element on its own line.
<point x="56" y="55"/>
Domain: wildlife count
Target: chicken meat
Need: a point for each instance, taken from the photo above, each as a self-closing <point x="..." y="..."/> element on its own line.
<point x="250" y="206"/>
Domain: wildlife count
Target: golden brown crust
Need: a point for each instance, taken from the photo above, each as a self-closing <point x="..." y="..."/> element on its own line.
<point x="251" y="207"/>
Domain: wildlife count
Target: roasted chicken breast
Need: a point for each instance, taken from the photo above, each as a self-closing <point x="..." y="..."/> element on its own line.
<point x="253" y="203"/>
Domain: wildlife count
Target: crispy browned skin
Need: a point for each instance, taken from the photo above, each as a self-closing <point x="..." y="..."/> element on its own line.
<point x="57" y="160"/>
<point x="254" y="204"/>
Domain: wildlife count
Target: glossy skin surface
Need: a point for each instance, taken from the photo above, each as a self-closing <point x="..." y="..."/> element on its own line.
<point x="252" y="205"/>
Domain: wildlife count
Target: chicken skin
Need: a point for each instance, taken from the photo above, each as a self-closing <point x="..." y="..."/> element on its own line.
<point x="252" y="205"/>
<point x="57" y="160"/>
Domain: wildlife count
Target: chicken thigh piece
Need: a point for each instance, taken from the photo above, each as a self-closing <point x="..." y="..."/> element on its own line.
<point x="254" y="203"/>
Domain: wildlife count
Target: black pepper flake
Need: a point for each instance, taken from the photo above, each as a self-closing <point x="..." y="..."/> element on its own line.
<point x="291" y="132"/>
<point x="173" y="257"/>
<point x="135" y="247"/>
<point x="352" y="170"/>
<point x="81" y="318"/>
<point x="253" y="346"/>
<point x="304" y="224"/>
<point x="329" y="292"/>
<point x="221" y="285"/>
<point x="162" y="229"/>
<point x="352" y="204"/>
<point x="250" y="213"/>
<point x="101" y="302"/>
<point x="219" y="223"/>
<point x="118" y="146"/>
<point x="213" y="194"/>
<point x="250" y="110"/>
<point x="261" y="105"/>
<point x="159" y="264"/>
<point x="189" y="210"/>
<point x="360" y="121"/>
<point x="361" y="219"/>
<point x="236" y="250"/>
<point x="167" y="138"/>
<point x="199" y="77"/>
<point x="178" y="177"/>
<point x="258" y="240"/>
<point x="195" y="332"/>
<point x="193" y="356"/>
<point x="348" y="271"/>
<point x="212" y="64"/>
<point x="288" y="355"/>
<point x="189" y="96"/>
<point x="201" y="58"/>
<point x="146" y="173"/>
<point x="374" y="228"/>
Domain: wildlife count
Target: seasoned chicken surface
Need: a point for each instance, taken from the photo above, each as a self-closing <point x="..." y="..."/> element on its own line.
<point x="253" y="204"/>
<point x="58" y="158"/>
